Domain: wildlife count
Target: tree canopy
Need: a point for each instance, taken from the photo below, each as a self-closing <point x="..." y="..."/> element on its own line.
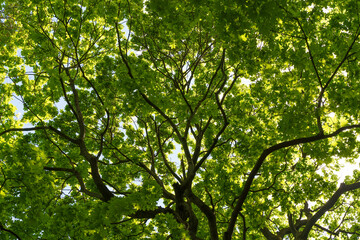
<point x="166" y="119"/>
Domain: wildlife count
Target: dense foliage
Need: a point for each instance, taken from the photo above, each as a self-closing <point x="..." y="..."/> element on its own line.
<point x="167" y="119"/>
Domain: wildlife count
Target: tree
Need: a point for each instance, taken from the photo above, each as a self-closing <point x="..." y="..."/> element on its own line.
<point x="167" y="119"/>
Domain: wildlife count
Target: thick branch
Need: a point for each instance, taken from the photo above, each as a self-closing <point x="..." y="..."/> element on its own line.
<point x="280" y="234"/>
<point x="260" y="161"/>
<point x="80" y="118"/>
<point x="105" y="192"/>
<point x="269" y="235"/>
<point x="326" y="207"/>
<point x="208" y="213"/>
<point x="79" y="178"/>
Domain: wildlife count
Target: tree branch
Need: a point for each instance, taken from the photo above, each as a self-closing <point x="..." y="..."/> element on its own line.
<point x="326" y="207"/>
<point x="58" y="132"/>
<point x="151" y="213"/>
<point x="79" y="178"/>
<point x="208" y="213"/>
<point x="260" y="161"/>
<point x="311" y="56"/>
<point x="2" y="228"/>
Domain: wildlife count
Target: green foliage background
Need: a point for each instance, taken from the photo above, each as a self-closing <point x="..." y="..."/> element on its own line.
<point x="261" y="97"/>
